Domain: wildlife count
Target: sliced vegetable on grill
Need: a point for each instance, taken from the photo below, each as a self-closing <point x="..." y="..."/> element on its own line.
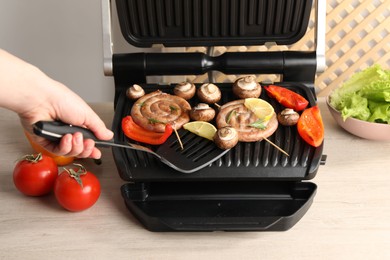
<point x="137" y="133"/>
<point x="311" y="127"/>
<point x="287" y="98"/>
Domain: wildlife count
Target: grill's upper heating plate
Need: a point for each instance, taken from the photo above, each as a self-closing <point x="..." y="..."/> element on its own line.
<point x="217" y="22"/>
<point x="256" y="160"/>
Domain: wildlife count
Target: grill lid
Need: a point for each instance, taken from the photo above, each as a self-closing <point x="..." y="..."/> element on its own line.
<point x="182" y="23"/>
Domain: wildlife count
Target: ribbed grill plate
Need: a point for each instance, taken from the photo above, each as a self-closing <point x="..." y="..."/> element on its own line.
<point x="257" y="160"/>
<point x="216" y="22"/>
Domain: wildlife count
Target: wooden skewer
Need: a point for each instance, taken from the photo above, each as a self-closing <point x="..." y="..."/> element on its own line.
<point x="178" y="138"/>
<point x="277" y="147"/>
<point x="217" y="105"/>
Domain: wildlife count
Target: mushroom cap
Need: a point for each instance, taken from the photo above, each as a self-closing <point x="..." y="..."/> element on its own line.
<point x="226" y="137"/>
<point x="185" y="90"/>
<point x="135" y="92"/>
<point x="247" y="87"/>
<point x="209" y="93"/>
<point x="202" y="112"/>
<point x="288" y="117"/>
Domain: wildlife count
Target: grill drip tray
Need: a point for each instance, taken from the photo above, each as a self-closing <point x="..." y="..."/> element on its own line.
<point x="227" y="206"/>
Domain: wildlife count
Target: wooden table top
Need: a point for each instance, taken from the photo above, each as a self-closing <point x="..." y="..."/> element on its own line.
<point x="349" y="218"/>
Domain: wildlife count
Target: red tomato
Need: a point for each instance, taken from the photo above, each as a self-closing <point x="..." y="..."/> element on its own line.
<point x="76" y="189"/>
<point x="311" y="127"/>
<point x="35" y="175"/>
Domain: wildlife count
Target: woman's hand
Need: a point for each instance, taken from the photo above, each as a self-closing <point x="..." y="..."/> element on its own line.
<point x="36" y="97"/>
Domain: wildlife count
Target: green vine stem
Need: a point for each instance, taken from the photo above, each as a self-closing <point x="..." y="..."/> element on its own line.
<point x="77" y="173"/>
<point x="32" y="158"/>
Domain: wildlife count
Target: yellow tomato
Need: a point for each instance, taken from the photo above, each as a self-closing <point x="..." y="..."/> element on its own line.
<point x="60" y="160"/>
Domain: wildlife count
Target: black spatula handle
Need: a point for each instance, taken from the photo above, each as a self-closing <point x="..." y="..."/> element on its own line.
<point x="55" y="130"/>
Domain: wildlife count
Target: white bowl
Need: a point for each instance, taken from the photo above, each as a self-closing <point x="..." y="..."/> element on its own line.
<point x="363" y="129"/>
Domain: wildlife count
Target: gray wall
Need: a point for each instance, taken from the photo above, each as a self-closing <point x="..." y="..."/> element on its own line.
<point x="64" y="39"/>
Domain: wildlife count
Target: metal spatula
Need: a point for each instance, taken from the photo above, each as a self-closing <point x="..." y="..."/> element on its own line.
<point x="196" y="154"/>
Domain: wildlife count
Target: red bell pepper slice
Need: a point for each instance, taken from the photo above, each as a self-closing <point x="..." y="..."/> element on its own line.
<point x="286" y="97"/>
<point x="137" y="133"/>
<point x="311" y="127"/>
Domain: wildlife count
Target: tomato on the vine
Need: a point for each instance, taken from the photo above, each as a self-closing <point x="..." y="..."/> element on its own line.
<point x="35" y="174"/>
<point x="76" y="189"/>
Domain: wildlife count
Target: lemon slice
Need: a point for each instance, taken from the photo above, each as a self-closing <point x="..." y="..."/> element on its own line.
<point x="201" y="128"/>
<point x="261" y="108"/>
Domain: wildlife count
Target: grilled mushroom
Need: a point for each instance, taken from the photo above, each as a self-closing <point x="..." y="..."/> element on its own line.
<point x="209" y="93"/>
<point x="202" y="112"/>
<point x="226" y="137"/>
<point x="185" y="90"/>
<point x="247" y="87"/>
<point x="135" y="92"/>
<point x="288" y="117"/>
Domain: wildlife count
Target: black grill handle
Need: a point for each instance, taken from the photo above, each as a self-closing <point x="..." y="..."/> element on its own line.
<point x="200" y="63"/>
<point x="295" y="66"/>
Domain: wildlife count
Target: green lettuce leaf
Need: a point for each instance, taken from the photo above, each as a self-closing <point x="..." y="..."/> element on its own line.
<point x="356" y="107"/>
<point x="377" y="91"/>
<point x="380" y="112"/>
<point x="365" y="96"/>
<point x="357" y="82"/>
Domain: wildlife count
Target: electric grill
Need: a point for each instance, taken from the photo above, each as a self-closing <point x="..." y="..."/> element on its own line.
<point x="253" y="186"/>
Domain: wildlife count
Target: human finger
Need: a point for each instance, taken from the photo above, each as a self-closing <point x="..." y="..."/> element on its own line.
<point x="97" y="126"/>
<point x="88" y="147"/>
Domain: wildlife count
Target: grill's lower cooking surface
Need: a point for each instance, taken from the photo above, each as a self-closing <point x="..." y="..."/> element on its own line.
<point x="257" y="160"/>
